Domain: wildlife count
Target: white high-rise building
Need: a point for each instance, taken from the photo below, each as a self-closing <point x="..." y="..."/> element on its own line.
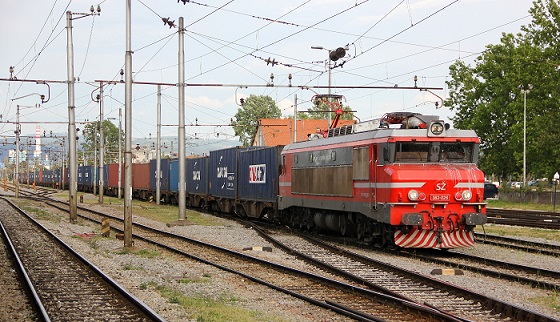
<point x="37" y="152"/>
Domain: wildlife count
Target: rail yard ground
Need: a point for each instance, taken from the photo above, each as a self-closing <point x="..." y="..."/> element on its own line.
<point x="181" y="290"/>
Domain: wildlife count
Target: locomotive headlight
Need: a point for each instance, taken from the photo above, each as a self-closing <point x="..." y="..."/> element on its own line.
<point x="467" y="195"/>
<point x="413" y="195"/>
<point x="437" y="128"/>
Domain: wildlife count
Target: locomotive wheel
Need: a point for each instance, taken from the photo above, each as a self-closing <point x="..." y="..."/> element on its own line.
<point x="307" y="220"/>
<point x="387" y="237"/>
<point x="360" y="228"/>
<point x="346" y="226"/>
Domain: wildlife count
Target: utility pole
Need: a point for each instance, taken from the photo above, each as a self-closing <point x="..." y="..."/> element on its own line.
<point x="63" y="161"/>
<point x="295" y="119"/>
<point x="525" y="91"/>
<point x="72" y="167"/>
<point x="101" y="144"/>
<point x="334" y="55"/>
<point x="17" y="132"/>
<point x="182" y="168"/>
<point x="94" y="181"/>
<point x="120" y="155"/>
<point x="128" y="134"/>
<point x="158" y="147"/>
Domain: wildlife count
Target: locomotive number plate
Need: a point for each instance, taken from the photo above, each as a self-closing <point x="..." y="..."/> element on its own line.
<point x="439" y="198"/>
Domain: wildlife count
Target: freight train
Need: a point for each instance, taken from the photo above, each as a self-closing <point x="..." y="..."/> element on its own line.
<point x="405" y="180"/>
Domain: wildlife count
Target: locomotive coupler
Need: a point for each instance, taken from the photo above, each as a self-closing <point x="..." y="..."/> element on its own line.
<point x="439" y="225"/>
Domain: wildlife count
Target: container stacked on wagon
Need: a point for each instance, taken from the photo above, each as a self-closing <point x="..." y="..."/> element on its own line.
<point x="405" y="180"/>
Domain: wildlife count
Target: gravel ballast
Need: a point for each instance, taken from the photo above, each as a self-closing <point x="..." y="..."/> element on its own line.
<point x="149" y="276"/>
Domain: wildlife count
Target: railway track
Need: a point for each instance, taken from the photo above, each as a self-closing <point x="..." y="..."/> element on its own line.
<point x="399" y="282"/>
<point x="464" y="306"/>
<point x="344" y="298"/>
<point x="536" y="277"/>
<point x="525" y="218"/>
<point x="21" y="302"/>
<point x="490" y="305"/>
<point x="518" y="244"/>
<point x="69" y="287"/>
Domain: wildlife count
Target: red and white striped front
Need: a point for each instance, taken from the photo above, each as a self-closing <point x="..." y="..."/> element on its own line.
<point x="428" y="239"/>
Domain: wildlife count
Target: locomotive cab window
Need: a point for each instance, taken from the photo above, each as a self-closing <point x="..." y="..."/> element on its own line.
<point x="412" y="152"/>
<point x="447" y="152"/>
<point x="456" y="152"/>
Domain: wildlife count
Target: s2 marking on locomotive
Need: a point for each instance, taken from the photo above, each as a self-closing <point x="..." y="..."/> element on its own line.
<point x="257" y="173"/>
<point x="441" y="186"/>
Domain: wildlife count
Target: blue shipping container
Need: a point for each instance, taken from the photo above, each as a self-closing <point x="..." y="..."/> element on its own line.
<point x="81" y="175"/>
<point x="173" y="175"/>
<point x="47" y="176"/>
<point x="197" y="176"/>
<point x="223" y="172"/>
<point x="88" y="175"/>
<point x="106" y="176"/>
<point x="258" y="173"/>
<point x="164" y="175"/>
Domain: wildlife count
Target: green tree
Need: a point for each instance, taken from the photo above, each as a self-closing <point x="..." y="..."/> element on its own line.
<point x="111" y="136"/>
<point x="322" y="108"/>
<point x="247" y="117"/>
<point x="489" y="98"/>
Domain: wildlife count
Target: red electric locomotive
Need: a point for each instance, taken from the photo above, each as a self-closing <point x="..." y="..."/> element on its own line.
<point x="405" y="180"/>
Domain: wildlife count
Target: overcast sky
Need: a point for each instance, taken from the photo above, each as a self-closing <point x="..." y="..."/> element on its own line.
<point x="228" y="42"/>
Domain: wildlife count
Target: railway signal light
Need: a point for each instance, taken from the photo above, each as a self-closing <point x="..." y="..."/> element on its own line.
<point x="336" y="54"/>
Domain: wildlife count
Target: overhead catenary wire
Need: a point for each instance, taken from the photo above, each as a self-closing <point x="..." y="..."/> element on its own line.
<point x="370" y="78"/>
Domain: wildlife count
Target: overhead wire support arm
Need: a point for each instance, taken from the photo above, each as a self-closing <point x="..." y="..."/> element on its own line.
<point x="303" y="87"/>
<point x="436" y="95"/>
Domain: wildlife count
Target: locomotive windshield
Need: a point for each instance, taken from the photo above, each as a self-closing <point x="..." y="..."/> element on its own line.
<point x="447" y="152"/>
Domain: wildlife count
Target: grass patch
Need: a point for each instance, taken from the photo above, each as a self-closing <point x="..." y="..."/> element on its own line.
<point x="146" y="285"/>
<point x="40" y="214"/>
<point x="148" y="253"/>
<point x="144" y="253"/>
<point x="519" y="231"/>
<point x="552" y="301"/>
<point x="130" y="267"/>
<point x="162" y="213"/>
<point x="499" y="230"/>
<point x="189" y="280"/>
<point x="520" y="205"/>
<point x="204" y="308"/>
<point x="168" y="214"/>
<point x="92" y="241"/>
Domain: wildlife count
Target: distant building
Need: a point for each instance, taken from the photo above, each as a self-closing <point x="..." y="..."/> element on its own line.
<point x="37" y="152"/>
<point x="12" y="156"/>
<point x="272" y="132"/>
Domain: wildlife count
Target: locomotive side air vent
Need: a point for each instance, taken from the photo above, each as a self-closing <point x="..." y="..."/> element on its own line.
<point x="343" y="130"/>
